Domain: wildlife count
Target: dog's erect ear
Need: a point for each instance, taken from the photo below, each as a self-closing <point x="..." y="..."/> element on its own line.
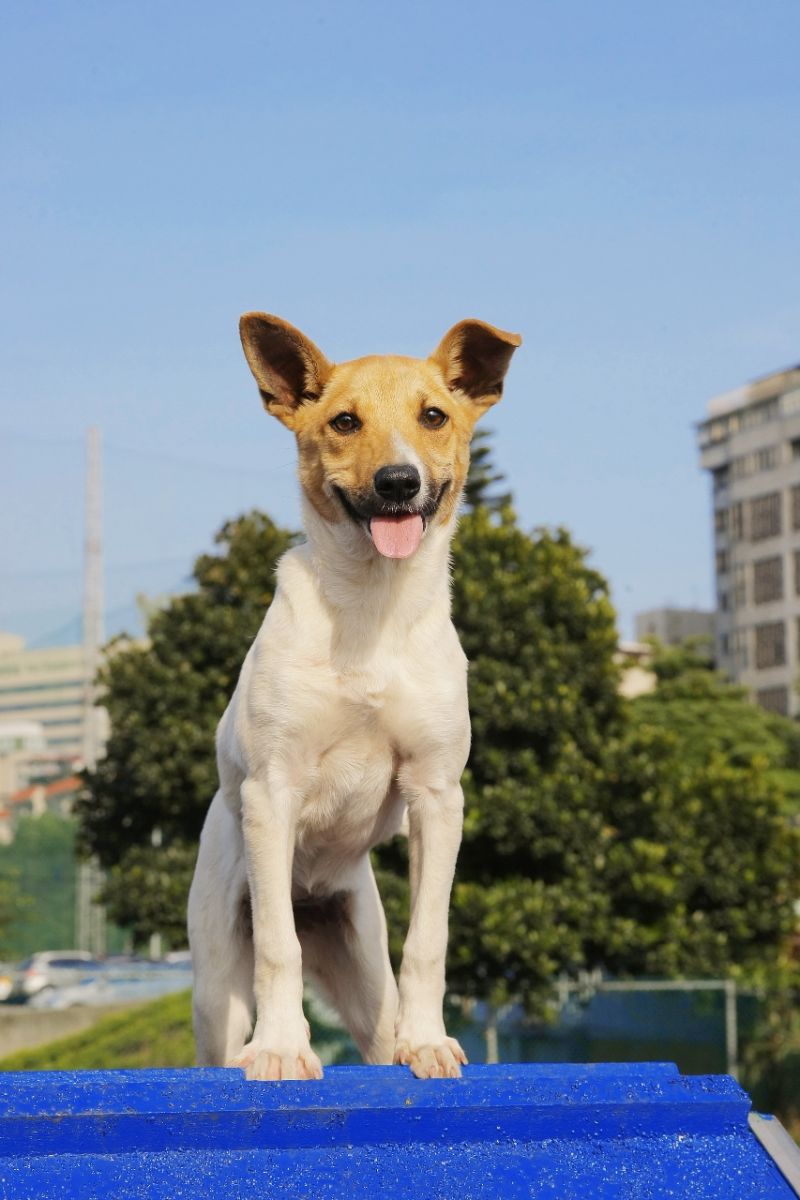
<point x="288" y="367"/>
<point x="474" y="358"/>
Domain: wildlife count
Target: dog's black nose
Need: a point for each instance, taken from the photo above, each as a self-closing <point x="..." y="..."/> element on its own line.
<point x="398" y="484"/>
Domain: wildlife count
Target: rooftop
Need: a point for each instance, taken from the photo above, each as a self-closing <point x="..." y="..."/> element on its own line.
<point x="765" y="387"/>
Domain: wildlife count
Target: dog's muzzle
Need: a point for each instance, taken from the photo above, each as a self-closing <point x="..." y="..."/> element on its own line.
<point x="388" y="514"/>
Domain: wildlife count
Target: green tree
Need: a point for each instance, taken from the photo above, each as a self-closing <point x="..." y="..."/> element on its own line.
<point x="711" y="716"/>
<point x="698" y="860"/>
<point x="483" y="475"/>
<point x="13" y="905"/>
<point x="164" y="700"/>
<point x="538" y="627"/>
<point x="37" y="887"/>
<point x="646" y="838"/>
<point x="597" y="832"/>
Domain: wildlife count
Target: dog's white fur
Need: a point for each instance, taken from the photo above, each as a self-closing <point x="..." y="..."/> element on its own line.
<point x="350" y="710"/>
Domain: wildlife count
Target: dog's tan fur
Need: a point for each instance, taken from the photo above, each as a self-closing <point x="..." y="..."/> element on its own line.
<point x="351" y="709"/>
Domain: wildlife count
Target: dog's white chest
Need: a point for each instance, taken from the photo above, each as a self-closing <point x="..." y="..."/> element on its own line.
<point x="339" y="712"/>
<point x="353" y="747"/>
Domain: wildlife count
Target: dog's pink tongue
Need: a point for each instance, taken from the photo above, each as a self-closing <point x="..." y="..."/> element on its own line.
<point x="396" y="537"/>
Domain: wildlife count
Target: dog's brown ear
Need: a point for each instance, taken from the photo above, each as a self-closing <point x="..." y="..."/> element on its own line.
<point x="288" y="368"/>
<point x="474" y="358"/>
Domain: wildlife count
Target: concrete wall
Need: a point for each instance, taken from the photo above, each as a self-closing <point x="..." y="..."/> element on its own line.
<point x="21" y="1028"/>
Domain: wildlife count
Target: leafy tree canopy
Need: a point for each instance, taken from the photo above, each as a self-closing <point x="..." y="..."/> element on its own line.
<point x="483" y="475"/>
<point x="37" y="887"/>
<point x="711" y="716"/>
<point x="597" y="832"/>
<point x="165" y="698"/>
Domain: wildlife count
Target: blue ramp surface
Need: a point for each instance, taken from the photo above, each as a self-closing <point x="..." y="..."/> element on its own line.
<point x="537" y="1130"/>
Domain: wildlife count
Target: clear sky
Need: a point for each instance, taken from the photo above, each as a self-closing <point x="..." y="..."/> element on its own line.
<point x="618" y="182"/>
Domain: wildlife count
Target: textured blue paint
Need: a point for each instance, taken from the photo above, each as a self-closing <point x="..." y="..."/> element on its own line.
<point x="545" y="1130"/>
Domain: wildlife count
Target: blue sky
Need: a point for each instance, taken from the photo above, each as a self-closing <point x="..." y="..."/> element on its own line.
<point x="620" y="183"/>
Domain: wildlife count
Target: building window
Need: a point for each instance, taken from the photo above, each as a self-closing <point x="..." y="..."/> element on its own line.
<point x="796" y="506"/>
<point x="741" y="658"/>
<point x="774" y="700"/>
<point x="739" y="592"/>
<point x="737" y="521"/>
<point x="770" y="645"/>
<point x="759" y="414"/>
<point x="724" y="645"/>
<point x="720" y="475"/>
<point x="765" y="516"/>
<point x="795" y="447"/>
<point x="721" y="520"/>
<point x="768" y="580"/>
<point x="751" y="464"/>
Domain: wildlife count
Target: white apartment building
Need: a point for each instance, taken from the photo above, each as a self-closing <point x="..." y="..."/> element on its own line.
<point x="46" y="689"/>
<point x="672" y="626"/>
<point x="750" y="444"/>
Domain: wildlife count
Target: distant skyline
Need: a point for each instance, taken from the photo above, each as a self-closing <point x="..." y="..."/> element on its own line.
<point x="619" y="183"/>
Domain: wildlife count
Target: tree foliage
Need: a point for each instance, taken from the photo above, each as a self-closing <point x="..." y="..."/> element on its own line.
<point x="646" y="837"/>
<point x="483" y="475"/>
<point x="37" y="887"/>
<point x="698" y="862"/>
<point x="537" y="624"/>
<point x="710" y="716"/>
<point x="164" y="700"/>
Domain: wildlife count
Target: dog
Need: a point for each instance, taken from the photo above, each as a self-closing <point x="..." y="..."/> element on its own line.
<point x="349" y="717"/>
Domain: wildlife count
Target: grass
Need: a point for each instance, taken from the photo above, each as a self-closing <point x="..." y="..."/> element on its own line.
<point x="156" y="1034"/>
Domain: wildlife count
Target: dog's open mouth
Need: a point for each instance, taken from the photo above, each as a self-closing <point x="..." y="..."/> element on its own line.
<point x="394" y="531"/>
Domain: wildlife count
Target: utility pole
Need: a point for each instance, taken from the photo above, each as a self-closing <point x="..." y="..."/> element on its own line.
<point x="89" y="916"/>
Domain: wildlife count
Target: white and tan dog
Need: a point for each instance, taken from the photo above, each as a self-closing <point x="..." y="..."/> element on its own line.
<point x="350" y="709"/>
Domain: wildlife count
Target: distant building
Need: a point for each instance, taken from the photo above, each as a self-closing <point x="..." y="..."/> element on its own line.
<point x="750" y="445"/>
<point x="57" y="796"/>
<point x="636" y="678"/>
<point x="45" y="688"/>
<point x="21" y="744"/>
<point x="672" y="626"/>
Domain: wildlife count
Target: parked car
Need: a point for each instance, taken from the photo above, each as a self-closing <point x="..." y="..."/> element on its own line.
<point x="6" y="980"/>
<point x="117" y="985"/>
<point x="49" y="969"/>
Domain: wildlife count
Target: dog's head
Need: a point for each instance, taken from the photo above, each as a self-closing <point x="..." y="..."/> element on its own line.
<point x="383" y="441"/>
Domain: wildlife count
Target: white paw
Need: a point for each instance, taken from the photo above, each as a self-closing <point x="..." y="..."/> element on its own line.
<point x="259" y="1060"/>
<point x="432" y="1060"/>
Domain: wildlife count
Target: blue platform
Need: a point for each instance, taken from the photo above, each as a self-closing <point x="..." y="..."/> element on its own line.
<point x="626" y="1131"/>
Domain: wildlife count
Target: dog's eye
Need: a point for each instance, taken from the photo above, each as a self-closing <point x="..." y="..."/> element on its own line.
<point x="345" y="423"/>
<point x="433" y="418"/>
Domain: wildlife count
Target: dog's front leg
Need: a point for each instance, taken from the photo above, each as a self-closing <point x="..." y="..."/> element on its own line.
<point x="279" y="1047"/>
<point x="435" y="820"/>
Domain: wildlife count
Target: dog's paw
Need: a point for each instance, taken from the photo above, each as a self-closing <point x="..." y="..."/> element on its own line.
<point x="260" y="1061"/>
<point x="440" y="1060"/>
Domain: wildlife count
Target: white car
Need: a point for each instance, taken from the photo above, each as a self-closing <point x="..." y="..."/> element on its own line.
<point x="49" y="969"/>
<point x="117" y="985"/>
